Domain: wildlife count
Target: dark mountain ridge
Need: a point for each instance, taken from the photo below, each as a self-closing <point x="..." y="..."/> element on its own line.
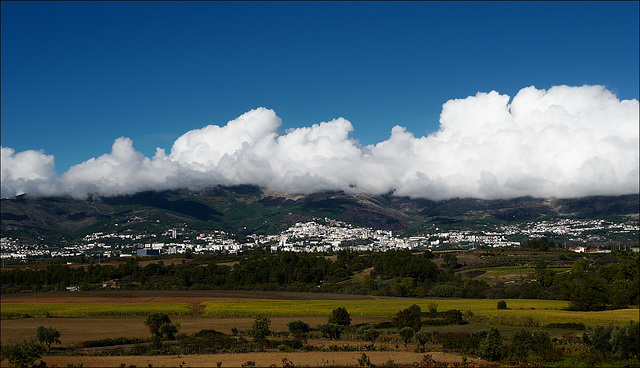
<point x="250" y="209"/>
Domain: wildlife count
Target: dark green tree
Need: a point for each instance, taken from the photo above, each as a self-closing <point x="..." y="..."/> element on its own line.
<point x="625" y="340"/>
<point x="260" y="329"/>
<point x="368" y="333"/>
<point x="520" y="344"/>
<point x="491" y="345"/>
<point x="540" y="340"/>
<point x="299" y="329"/>
<point x="154" y="321"/>
<point x="409" y="317"/>
<point x="406" y="333"/>
<point x="330" y="330"/>
<point x="22" y="354"/>
<point x="340" y="316"/>
<point x="433" y="309"/>
<point x="588" y="294"/>
<point x="169" y="330"/>
<point x="47" y="336"/>
<point x="423" y="337"/>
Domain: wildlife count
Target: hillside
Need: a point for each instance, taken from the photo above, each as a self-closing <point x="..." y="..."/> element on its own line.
<point x="248" y="209"/>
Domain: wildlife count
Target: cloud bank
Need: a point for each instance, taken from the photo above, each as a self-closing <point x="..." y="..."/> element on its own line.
<point x="563" y="142"/>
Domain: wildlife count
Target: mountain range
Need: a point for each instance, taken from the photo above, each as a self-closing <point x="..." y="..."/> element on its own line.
<point x="250" y="209"/>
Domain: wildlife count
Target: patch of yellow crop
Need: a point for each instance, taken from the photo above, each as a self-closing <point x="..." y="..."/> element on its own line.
<point x="383" y="307"/>
<point x="92" y="309"/>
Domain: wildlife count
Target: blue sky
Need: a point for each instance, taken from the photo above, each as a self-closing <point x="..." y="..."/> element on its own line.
<point x="78" y="75"/>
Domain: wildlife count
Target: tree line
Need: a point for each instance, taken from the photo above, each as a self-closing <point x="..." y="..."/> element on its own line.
<point x="592" y="283"/>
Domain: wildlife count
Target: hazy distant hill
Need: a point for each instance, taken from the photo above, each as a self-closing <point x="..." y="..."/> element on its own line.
<point x="249" y="209"/>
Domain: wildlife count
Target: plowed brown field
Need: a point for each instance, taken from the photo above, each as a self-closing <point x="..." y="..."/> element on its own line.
<point x="313" y="359"/>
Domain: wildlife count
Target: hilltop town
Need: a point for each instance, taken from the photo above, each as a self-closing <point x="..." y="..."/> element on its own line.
<point x="325" y="235"/>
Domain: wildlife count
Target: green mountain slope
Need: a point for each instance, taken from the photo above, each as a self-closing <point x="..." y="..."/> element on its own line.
<point x="249" y="209"/>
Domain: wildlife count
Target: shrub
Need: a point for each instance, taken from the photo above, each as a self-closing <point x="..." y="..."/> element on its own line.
<point x="385" y="324"/>
<point x="340" y="316"/>
<point x="109" y="342"/>
<point x="423" y="337"/>
<point x="520" y="344"/>
<point x="260" y="329"/>
<point x="299" y="329"/>
<point x="330" y="330"/>
<point x="368" y="333"/>
<point x="491" y="346"/>
<point x="433" y="309"/>
<point x="169" y="330"/>
<point x="409" y="317"/>
<point x="502" y="304"/>
<point x="406" y="333"/>
<point x="453" y="317"/>
<point x="154" y="321"/>
<point x="460" y="341"/>
<point x="364" y="361"/>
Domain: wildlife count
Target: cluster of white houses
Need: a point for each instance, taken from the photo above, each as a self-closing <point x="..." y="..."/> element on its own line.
<point x="319" y="235"/>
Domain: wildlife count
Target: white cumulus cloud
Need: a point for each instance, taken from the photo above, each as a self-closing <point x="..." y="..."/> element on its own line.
<point x="561" y="142"/>
<point x="26" y="172"/>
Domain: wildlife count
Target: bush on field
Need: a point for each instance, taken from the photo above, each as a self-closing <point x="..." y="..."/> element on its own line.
<point x="208" y="340"/>
<point x="460" y="341"/>
<point x="368" y="333"/>
<point x="524" y="342"/>
<point x="110" y="342"/>
<point x="385" y="324"/>
<point x="260" y="329"/>
<point x="406" y="333"/>
<point x="491" y="346"/>
<point x="299" y="329"/>
<point x="409" y="317"/>
<point x="154" y="321"/>
<point x="423" y="337"/>
<point x="330" y="330"/>
<point x="340" y="316"/>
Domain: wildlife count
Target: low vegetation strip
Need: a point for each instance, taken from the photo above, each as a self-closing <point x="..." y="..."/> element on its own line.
<point x="506" y="270"/>
<point x="10" y="310"/>
<point x="542" y="317"/>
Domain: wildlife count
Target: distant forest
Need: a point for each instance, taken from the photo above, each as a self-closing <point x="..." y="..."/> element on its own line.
<point x="593" y="282"/>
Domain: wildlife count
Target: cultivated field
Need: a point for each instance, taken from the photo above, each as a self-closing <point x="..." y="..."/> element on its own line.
<point x="230" y="304"/>
<point x="75" y="330"/>
<point x="82" y="316"/>
<point x="275" y="359"/>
